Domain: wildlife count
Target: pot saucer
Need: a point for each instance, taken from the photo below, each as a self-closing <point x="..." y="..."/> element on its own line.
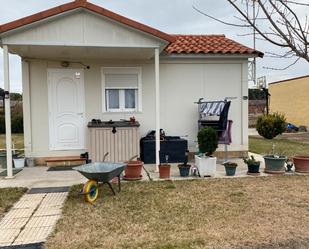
<point x="132" y="179"/>
<point x="274" y="172"/>
<point x="253" y="174"/>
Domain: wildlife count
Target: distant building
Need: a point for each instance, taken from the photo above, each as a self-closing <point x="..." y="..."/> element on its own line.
<point x="256" y="108"/>
<point x="291" y="97"/>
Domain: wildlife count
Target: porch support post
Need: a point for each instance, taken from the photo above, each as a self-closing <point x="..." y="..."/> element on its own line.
<point x="157" y="81"/>
<point x="8" y="135"/>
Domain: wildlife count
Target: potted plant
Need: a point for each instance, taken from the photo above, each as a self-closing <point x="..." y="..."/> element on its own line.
<point x="208" y="143"/>
<point x="301" y="164"/>
<point x="270" y="126"/>
<point x="165" y="169"/>
<point x="253" y="165"/>
<point x="184" y="168"/>
<point x="230" y="168"/>
<point x="275" y="163"/>
<point x="133" y="170"/>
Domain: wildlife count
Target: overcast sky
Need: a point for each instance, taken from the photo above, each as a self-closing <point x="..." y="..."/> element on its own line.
<point x="172" y="16"/>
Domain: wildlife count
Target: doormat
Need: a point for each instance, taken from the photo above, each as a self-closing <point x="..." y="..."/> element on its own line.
<point x="15" y="171"/>
<point x="48" y="190"/>
<point x="60" y="168"/>
<point x="25" y="246"/>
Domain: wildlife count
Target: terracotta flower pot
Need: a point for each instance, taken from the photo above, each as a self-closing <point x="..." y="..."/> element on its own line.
<point x="301" y="164"/>
<point x="164" y="171"/>
<point x="133" y="170"/>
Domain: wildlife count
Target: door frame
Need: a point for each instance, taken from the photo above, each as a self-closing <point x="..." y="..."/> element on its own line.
<point x="82" y="100"/>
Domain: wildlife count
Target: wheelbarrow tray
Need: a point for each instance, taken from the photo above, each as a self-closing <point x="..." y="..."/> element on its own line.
<point x="100" y="171"/>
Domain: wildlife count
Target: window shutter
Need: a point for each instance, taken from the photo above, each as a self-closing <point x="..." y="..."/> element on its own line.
<point x="121" y="81"/>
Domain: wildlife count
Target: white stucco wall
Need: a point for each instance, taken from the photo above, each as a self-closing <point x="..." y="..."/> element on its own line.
<point x="181" y="84"/>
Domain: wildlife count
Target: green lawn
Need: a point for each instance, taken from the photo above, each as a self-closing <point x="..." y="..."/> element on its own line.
<point x="263" y="212"/>
<point x="8" y="196"/>
<point x="18" y="140"/>
<point x="282" y="146"/>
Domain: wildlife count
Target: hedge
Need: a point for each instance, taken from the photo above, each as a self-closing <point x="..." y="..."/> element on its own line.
<point x="17" y="123"/>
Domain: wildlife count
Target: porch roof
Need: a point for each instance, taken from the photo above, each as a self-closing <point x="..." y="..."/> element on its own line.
<point x="77" y="53"/>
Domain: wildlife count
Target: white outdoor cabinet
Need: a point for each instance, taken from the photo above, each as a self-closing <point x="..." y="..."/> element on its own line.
<point x="121" y="143"/>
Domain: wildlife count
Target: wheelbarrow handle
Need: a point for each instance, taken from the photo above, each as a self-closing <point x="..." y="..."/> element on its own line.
<point x="105" y="155"/>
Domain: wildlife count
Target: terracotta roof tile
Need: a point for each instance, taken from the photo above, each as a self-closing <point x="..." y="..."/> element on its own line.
<point x="207" y="44"/>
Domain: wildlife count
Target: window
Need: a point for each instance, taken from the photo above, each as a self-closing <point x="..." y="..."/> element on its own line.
<point x="122" y="89"/>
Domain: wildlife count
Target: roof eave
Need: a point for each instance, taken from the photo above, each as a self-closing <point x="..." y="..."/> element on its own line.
<point x="89" y="6"/>
<point x="211" y="55"/>
<point x="288" y="80"/>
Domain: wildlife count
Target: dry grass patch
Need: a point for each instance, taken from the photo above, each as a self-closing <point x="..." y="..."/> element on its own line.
<point x="264" y="212"/>
<point x="8" y="196"/>
<point x="17" y="140"/>
<point x="283" y="146"/>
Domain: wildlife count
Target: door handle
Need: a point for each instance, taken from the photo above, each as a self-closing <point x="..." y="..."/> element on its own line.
<point x="80" y="113"/>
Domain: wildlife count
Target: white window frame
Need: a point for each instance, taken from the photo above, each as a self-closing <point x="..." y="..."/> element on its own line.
<point x="122" y="70"/>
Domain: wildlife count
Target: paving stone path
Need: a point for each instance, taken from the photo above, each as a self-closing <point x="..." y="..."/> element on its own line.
<point x="31" y="219"/>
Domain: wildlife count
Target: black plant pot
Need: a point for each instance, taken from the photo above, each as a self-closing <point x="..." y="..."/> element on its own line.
<point x="184" y="170"/>
<point x="230" y="170"/>
<point x="254" y="168"/>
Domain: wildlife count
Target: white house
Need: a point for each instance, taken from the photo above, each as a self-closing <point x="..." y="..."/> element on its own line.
<point x="72" y="54"/>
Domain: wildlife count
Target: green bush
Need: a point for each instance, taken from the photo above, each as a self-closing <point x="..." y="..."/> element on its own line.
<point x="271" y="125"/>
<point x="16" y="124"/>
<point x="207" y="140"/>
<point x="2" y="124"/>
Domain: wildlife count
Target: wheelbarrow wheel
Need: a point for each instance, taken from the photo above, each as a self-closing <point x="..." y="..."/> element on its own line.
<point x="91" y="191"/>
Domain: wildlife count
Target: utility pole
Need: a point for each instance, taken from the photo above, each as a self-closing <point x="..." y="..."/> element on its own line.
<point x="252" y="62"/>
<point x="254" y="43"/>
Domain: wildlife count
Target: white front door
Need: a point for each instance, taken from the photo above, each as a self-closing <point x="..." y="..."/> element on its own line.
<point x="66" y="109"/>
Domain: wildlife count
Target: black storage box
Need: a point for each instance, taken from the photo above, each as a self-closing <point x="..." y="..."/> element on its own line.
<point x="174" y="147"/>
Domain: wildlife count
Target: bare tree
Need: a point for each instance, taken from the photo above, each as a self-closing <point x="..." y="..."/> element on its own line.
<point x="276" y="21"/>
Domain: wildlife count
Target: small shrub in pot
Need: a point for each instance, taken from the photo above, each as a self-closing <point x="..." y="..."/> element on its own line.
<point x="207" y="140"/>
<point x="253" y="165"/>
<point x="208" y="143"/>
